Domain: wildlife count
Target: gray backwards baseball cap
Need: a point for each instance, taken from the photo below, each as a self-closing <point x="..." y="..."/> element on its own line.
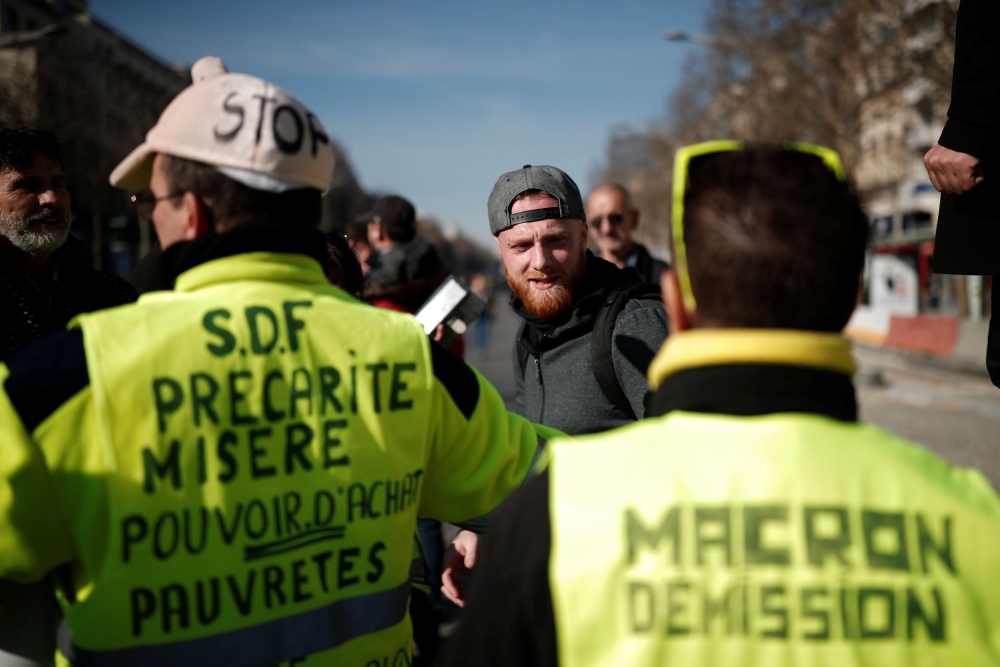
<point x="554" y="181"/>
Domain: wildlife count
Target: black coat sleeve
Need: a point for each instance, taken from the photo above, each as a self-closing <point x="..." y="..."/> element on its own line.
<point x="972" y="125"/>
<point x="508" y="620"/>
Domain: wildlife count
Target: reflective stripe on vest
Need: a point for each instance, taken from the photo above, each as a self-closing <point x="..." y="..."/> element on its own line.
<point x="706" y="540"/>
<point x="269" y="643"/>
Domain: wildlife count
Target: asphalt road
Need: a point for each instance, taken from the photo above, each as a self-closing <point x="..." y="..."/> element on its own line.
<point x="956" y="415"/>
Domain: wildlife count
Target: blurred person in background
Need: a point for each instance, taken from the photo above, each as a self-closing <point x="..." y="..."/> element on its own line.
<point x="612" y="220"/>
<point x="43" y="283"/>
<point x="482" y="286"/>
<point x="357" y="239"/>
<point x="405" y="269"/>
<point x="963" y="164"/>
<point x="749" y="519"/>
<point x="343" y="268"/>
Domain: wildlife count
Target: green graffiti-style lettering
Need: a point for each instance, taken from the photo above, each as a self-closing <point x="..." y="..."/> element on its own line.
<point x="818" y="545"/>
<point x="638" y="535"/>
<point x="171" y="465"/>
<point x="227" y="341"/>
<point x="293" y="324"/>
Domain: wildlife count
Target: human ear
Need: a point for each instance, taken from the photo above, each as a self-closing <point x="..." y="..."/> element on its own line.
<point x="678" y="315"/>
<point x="195" y="218"/>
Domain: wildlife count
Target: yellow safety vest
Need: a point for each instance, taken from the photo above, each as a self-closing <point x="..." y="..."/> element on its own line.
<point x="786" y="539"/>
<point x="240" y="478"/>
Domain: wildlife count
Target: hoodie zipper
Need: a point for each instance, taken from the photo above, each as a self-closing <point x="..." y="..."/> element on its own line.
<point x="538" y="376"/>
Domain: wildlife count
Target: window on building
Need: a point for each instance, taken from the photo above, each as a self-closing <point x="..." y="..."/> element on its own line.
<point x="9" y="20"/>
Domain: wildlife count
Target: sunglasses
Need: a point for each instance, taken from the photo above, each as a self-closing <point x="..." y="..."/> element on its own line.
<point x="682" y="164"/>
<point x="144" y="202"/>
<point x="614" y="219"/>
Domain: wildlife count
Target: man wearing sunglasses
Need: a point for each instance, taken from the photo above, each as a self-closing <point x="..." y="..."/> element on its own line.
<point x="749" y="519"/>
<point x="612" y="220"/>
<point x="43" y="283"/>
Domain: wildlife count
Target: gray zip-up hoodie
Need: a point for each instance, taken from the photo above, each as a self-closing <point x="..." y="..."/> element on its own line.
<point x="558" y="388"/>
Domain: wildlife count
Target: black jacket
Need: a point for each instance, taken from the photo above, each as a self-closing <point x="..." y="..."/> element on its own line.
<point x="558" y="387"/>
<point x="968" y="230"/>
<point x="648" y="267"/>
<point x="29" y="312"/>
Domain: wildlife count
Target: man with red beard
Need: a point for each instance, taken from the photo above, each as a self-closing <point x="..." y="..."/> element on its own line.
<point x="590" y="328"/>
<point x="563" y="292"/>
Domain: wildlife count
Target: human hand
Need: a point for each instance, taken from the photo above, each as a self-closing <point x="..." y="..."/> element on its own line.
<point x="953" y="172"/>
<point x="437" y="336"/>
<point x="460" y="559"/>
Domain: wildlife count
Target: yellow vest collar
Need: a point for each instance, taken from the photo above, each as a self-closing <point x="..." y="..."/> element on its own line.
<point x="268" y="266"/>
<point x="714" y="347"/>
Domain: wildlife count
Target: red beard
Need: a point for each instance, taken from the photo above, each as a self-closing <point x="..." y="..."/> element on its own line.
<point x="546" y="304"/>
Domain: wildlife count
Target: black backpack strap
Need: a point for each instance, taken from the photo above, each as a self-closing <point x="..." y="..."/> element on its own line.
<point x="602" y="341"/>
<point x="522" y="350"/>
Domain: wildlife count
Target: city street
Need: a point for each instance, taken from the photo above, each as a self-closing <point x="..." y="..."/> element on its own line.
<point x="956" y="415"/>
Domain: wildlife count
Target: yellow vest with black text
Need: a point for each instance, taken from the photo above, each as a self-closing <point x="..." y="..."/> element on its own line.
<point x="240" y="479"/>
<point x="778" y="540"/>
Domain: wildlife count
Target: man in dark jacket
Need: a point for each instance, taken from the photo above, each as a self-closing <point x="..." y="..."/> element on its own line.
<point x="537" y="217"/>
<point x="42" y="283"/>
<point x="963" y="164"/>
<point x="559" y="288"/>
<point x="612" y="220"/>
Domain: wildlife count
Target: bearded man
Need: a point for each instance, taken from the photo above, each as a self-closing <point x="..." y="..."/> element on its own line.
<point x="42" y="284"/>
<point x="590" y="328"/>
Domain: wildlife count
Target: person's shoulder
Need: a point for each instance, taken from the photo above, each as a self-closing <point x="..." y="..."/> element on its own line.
<point x="100" y="289"/>
<point x="967" y="486"/>
<point x="114" y="288"/>
<point x="642" y="311"/>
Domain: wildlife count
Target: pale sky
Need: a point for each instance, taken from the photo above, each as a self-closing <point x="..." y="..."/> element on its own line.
<point x="434" y="101"/>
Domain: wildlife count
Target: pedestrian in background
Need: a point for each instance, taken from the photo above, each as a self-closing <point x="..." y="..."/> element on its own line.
<point x="43" y="282"/>
<point x="343" y="268"/>
<point x="962" y="166"/>
<point x="405" y="269"/>
<point x="357" y="239"/>
<point x="612" y="219"/>
<point x="482" y="286"/>
<point x="750" y="519"/>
